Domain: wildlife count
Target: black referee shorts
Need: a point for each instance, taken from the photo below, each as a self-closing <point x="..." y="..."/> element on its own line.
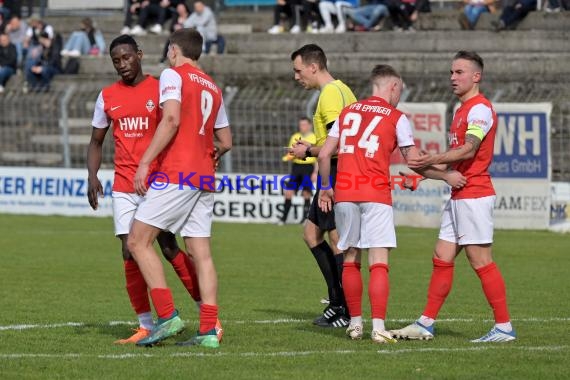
<point x="300" y="178"/>
<point x="323" y="220"/>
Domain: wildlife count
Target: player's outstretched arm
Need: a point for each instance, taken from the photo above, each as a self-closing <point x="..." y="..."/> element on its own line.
<point x="165" y="132"/>
<point x="94" y="157"/>
<point x="461" y="153"/>
<point x="435" y="171"/>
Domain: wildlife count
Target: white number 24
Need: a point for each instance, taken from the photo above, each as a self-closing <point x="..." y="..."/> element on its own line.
<point x="206" y="104"/>
<point x="367" y="141"/>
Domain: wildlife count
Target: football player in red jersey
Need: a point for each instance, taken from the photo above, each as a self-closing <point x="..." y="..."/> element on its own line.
<point x="130" y="105"/>
<point x="185" y="200"/>
<point x="467" y="220"/>
<point x="365" y="135"/>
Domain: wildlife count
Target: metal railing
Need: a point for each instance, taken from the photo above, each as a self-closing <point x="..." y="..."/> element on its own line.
<point x="54" y="129"/>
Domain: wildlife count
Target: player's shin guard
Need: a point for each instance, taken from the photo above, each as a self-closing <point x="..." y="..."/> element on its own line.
<point x="495" y="291"/>
<point x="352" y="286"/>
<point x="208" y="317"/>
<point x="184" y="268"/>
<point x="136" y="287"/>
<point x="327" y="263"/>
<point x="439" y="287"/>
<point x="163" y="302"/>
<point x="379" y="290"/>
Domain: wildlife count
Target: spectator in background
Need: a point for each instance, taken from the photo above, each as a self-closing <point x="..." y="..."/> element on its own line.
<point x="172" y="12"/>
<point x="15" y="7"/>
<point x="16" y="29"/>
<point x="368" y="17"/>
<point x="311" y="16"/>
<point x="181" y="15"/>
<point x="335" y="7"/>
<point x="36" y="26"/>
<point x="514" y="11"/>
<point x="403" y="14"/>
<point x="148" y="10"/>
<point x="132" y="9"/>
<point x="551" y="6"/>
<point x="40" y="69"/>
<point x="472" y="10"/>
<point x="4" y="13"/>
<point x="86" y="41"/>
<point x="2" y="23"/>
<point x="291" y="9"/>
<point x="8" y="59"/>
<point x="204" y="21"/>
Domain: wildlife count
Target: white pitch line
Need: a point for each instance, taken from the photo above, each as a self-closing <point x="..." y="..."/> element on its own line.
<point x="271" y="321"/>
<point x="282" y="353"/>
<point x="476" y="348"/>
<point x="37" y="326"/>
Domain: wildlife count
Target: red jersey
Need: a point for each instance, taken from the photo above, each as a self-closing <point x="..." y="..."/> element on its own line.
<point x="188" y="158"/>
<point x="134" y="114"/>
<point x="368" y="131"/>
<point x="478" y="117"/>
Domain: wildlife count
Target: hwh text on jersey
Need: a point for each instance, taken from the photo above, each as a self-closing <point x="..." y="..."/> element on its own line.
<point x="138" y="123"/>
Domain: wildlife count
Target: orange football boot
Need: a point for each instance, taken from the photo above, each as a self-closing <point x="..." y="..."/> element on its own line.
<point x="139" y="334"/>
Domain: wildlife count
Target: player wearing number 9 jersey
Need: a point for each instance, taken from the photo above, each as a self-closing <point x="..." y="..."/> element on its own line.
<point x="366" y="133"/>
<point x="130" y="107"/>
<point x="193" y="113"/>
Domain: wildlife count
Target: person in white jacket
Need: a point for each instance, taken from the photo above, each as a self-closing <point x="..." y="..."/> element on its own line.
<point x="204" y="21"/>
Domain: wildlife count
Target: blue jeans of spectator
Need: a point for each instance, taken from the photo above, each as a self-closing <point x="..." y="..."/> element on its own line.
<point x="5" y="73"/>
<point x="367" y="15"/>
<point x="220" y="45"/>
<point x="78" y="41"/>
<point x="472" y="12"/>
<point x="42" y="80"/>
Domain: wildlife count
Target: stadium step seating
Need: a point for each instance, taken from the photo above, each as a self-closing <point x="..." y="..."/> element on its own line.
<point x="245" y="21"/>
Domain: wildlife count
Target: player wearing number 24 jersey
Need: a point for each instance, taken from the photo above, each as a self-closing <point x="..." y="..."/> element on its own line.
<point x="366" y="133"/>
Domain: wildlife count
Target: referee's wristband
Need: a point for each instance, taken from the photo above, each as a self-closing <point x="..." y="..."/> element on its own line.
<point x="308" y="152"/>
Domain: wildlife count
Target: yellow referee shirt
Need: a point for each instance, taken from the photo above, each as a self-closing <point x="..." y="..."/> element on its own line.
<point x="334" y="97"/>
<point x="311" y="138"/>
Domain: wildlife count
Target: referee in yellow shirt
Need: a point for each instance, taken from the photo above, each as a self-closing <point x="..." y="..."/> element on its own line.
<point x="310" y="67"/>
<point x="302" y="170"/>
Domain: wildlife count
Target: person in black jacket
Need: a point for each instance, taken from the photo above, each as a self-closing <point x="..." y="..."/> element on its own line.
<point x="8" y="59"/>
<point x="40" y="70"/>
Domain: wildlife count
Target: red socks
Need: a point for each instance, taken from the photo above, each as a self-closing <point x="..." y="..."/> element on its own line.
<point x="136" y="287"/>
<point x="208" y="317"/>
<point x="494" y="289"/>
<point x="163" y="302"/>
<point x="379" y="290"/>
<point x="184" y="268"/>
<point x="439" y="287"/>
<point x="352" y="286"/>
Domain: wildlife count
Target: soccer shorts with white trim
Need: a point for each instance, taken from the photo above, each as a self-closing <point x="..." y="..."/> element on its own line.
<point x="365" y="225"/>
<point x="124" y="207"/>
<point x="468" y="221"/>
<point x="178" y="209"/>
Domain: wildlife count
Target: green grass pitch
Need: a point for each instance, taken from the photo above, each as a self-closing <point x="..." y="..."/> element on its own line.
<point x="63" y="303"/>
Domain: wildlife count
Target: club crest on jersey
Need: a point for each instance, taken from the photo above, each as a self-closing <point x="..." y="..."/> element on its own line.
<point x="150" y="105"/>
